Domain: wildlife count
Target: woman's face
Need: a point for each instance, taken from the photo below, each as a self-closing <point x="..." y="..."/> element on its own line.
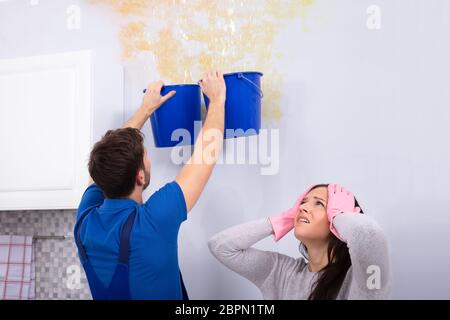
<point x="311" y="222"/>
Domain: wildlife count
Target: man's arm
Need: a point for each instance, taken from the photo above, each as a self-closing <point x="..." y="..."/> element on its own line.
<point x="195" y="174"/>
<point x="151" y="101"/>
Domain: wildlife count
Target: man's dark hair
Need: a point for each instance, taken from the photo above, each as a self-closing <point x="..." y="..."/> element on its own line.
<point x="115" y="161"/>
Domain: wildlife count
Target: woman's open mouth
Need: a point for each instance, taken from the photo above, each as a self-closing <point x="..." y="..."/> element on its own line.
<point x="304" y="220"/>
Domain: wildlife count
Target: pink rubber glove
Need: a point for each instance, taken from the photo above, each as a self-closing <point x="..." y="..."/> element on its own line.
<point x="339" y="200"/>
<point x="283" y="222"/>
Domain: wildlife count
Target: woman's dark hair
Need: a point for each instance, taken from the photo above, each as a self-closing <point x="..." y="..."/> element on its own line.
<point x="331" y="277"/>
<point x="115" y="161"/>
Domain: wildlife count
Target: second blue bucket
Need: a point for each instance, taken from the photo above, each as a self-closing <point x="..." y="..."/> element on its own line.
<point x="179" y="112"/>
<point x="243" y="104"/>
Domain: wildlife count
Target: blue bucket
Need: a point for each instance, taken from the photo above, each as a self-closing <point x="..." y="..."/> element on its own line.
<point x="243" y="104"/>
<point x="179" y="112"/>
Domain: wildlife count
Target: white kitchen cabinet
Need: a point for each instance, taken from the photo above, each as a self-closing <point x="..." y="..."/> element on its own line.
<point x="46" y="123"/>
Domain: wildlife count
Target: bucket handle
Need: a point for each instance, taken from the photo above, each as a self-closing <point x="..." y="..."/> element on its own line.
<point x="241" y="76"/>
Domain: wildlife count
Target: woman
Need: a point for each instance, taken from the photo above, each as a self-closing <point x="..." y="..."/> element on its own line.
<point x="345" y="254"/>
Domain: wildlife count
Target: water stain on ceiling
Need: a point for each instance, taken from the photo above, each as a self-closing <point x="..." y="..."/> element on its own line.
<point x="184" y="38"/>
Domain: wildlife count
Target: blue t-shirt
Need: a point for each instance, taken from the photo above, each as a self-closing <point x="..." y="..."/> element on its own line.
<point x="154" y="270"/>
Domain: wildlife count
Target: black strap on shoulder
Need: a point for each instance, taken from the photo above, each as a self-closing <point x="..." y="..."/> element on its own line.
<point x="125" y="238"/>
<point x="78" y="242"/>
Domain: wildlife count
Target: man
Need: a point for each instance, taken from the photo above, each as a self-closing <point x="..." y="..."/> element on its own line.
<point x="128" y="247"/>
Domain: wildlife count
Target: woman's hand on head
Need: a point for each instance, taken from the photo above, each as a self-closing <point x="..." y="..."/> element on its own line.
<point x="283" y="222"/>
<point x="340" y="200"/>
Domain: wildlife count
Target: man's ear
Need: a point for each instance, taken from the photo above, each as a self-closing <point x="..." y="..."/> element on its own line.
<point x="140" y="177"/>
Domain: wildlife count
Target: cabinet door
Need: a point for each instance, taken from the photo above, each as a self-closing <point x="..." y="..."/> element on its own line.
<point x="45" y="130"/>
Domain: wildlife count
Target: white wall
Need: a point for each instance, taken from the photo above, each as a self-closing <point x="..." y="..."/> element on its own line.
<point x="368" y="109"/>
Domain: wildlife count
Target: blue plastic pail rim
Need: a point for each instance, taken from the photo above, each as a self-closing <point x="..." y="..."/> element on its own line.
<point x="242" y="75"/>
<point x="173" y="86"/>
<point x="243" y="72"/>
<point x="181" y="85"/>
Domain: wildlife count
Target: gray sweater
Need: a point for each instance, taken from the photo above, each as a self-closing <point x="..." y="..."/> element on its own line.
<point x="282" y="277"/>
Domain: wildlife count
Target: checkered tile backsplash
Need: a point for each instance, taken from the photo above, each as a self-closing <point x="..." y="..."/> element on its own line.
<point x="59" y="274"/>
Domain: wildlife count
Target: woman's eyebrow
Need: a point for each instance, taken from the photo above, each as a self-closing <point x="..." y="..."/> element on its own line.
<point x="320" y="199"/>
